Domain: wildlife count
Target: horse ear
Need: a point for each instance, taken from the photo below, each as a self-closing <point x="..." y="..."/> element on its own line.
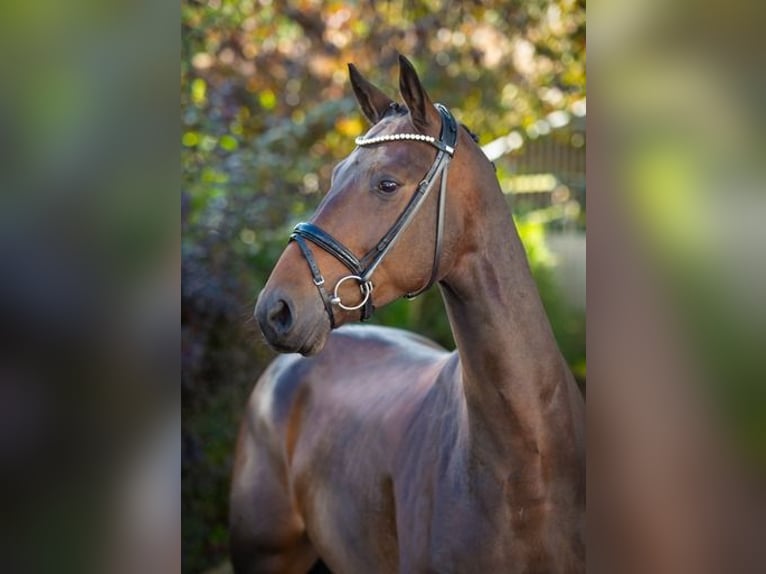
<point x="421" y="108"/>
<point x="372" y="101"/>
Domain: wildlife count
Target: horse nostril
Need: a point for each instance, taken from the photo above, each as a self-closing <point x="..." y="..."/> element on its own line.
<point x="280" y="317"/>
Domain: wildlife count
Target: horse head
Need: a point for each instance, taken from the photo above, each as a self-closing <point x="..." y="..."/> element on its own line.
<point x="382" y="231"/>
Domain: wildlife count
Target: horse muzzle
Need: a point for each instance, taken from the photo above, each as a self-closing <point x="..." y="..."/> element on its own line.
<point x="286" y="328"/>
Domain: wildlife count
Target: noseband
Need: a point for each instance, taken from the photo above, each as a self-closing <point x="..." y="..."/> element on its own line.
<point x="362" y="269"/>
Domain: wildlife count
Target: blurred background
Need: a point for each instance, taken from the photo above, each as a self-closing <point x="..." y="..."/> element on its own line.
<point x="90" y="257"/>
<point x="676" y="284"/>
<point x="267" y="111"/>
<point x="89" y="287"/>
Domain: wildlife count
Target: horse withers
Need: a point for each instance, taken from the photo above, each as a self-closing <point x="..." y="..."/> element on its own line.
<point x="378" y="451"/>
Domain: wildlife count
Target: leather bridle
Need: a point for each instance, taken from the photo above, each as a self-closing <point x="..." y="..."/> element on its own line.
<point x="362" y="269"/>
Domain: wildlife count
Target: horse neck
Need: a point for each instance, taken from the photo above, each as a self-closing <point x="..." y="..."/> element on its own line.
<point x="517" y="386"/>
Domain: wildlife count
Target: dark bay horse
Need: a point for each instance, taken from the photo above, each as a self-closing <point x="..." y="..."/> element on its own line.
<point x="378" y="451"/>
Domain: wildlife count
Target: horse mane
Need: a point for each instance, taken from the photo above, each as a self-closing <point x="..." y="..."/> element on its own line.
<point x="474" y="137"/>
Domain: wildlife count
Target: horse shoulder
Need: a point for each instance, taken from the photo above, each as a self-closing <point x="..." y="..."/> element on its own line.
<point x="267" y="530"/>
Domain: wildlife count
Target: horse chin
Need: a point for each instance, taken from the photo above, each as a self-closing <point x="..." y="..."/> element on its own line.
<point x="307" y="348"/>
<point x="310" y="344"/>
<point x="313" y="341"/>
<point x="314" y="346"/>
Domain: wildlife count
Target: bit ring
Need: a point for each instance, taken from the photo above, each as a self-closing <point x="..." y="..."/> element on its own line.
<point x="365" y="287"/>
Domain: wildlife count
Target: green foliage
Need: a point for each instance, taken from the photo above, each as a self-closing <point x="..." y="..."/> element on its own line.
<point x="266" y="112"/>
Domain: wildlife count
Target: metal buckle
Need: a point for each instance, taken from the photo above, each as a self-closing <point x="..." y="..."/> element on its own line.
<point x="365" y="287"/>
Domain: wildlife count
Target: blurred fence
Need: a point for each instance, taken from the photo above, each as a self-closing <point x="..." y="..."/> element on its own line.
<point x="543" y="176"/>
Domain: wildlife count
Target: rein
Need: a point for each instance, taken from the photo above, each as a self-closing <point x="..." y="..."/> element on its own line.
<point x="362" y="269"/>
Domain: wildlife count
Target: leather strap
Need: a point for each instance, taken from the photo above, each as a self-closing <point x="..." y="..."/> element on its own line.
<point x="316" y="276"/>
<point x="439" y="237"/>
<point x="327" y="242"/>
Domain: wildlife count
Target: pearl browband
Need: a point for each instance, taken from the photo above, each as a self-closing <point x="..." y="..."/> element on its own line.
<point x="362" y="141"/>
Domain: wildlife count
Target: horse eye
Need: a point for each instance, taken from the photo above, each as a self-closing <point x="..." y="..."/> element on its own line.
<point x="388" y="186"/>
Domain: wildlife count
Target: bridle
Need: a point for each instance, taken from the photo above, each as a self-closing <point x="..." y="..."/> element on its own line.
<point x="362" y="269"/>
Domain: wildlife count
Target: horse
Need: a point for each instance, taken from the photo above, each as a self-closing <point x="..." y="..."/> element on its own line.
<point x="371" y="449"/>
